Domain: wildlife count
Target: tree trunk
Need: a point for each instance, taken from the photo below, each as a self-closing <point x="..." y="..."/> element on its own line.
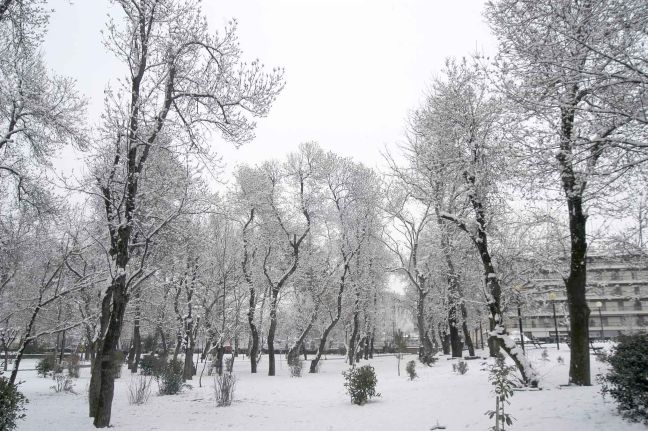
<point x="579" y="312"/>
<point x="445" y="343"/>
<point x="466" y="331"/>
<point x="102" y="382"/>
<point x="334" y="321"/>
<point x="456" y="346"/>
<point x="424" y="337"/>
<point x="271" y="335"/>
<point x="293" y="352"/>
<point x="188" y="370"/>
<point x="351" y="354"/>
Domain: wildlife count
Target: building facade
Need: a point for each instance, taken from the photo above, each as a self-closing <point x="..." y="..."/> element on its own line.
<point x="617" y="295"/>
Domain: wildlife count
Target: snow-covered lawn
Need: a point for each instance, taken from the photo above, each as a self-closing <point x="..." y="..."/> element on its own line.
<point x="319" y="401"/>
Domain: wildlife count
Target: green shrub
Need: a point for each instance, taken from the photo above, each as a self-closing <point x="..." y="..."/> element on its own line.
<point x="428" y="359"/>
<point x="46" y="365"/>
<point x="12" y="405"/>
<point x="360" y="384"/>
<point x="151" y="365"/>
<point x="411" y="370"/>
<point x="627" y="380"/>
<point x="170" y="378"/>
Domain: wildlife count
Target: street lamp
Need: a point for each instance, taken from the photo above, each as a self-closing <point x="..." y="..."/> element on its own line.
<point x="552" y="298"/>
<point x="599" y="305"/>
<point x="519" y="313"/>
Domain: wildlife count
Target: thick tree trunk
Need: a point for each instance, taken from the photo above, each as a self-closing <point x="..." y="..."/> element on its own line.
<point x="456" y="346"/>
<point x="188" y="370"/>
<point x="102" y="383"/>
<point x="467" y="338"/>
<point x="293" y="352"/>
<point x="270" y="341"/>
<point x="579" y="364"/>
<point x="424" y="337"/>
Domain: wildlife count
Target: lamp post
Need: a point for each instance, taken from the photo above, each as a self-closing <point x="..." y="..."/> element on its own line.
<point x="552" y="298"/>
<point x="599" y="305"/>
<point x="519" y="313"/>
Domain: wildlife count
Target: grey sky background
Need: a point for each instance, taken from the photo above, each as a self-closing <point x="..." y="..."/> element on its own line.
<point x="354" y="68"/>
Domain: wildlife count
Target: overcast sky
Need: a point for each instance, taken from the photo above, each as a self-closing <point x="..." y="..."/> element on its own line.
<point x="354" y="68"/>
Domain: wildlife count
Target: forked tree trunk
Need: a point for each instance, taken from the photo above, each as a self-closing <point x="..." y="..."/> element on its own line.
<point x="322" y="345"/>
<point x="102" y="382"/>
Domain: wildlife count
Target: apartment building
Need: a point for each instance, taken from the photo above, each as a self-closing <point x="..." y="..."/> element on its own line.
<point x="617" y="294"/>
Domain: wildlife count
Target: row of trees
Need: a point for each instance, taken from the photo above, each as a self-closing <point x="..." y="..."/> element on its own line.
<point x="304" y="248"/>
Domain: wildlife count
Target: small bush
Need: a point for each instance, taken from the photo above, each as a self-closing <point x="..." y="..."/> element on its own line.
<point x="296" y="367"/>
<point x="560" y="360"/>
<point x="545" y="355"/>
<point x="411" y="370"/>
<point x="627" y="380"/>
<point x="224" y="389"/>
<point x="139" y="389"/>
<point x="46" y="365"/>
<point x="360" y="384"/>
<point x="151" y="365"/>
<point x="12" y="405"/>
<point x="170" y="378"/>
<point x="62" y="383"/>
<point x="428" y="359"/>
<point x="460" y="367"/>
<point x="74" y="365"/>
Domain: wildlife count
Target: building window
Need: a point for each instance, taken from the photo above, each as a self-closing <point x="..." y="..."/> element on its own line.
<point x="637" y="304"/>
<point x="617" y="291"/>
<point x="620" y="305"/>
<point x="615" y="275"/>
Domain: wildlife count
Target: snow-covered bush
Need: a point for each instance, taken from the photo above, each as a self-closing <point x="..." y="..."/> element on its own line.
<point x="139" y="389"/>
<point x="545" y="355"/>
<point x="460" y="367"/>
<point x="62" y="383"/>
<point x="411" y="370"/>
<point x="224" y="388"/>
<point x="170" y="378"/>
<point x="627" y="380"/>
<point x="74" y="365"/>
<point x="560" y="360"/>
<point x="500" y="378"/>
<point x="296" y="366"/>
<point x="12" y="404"/>
<point x="360" y="384"/>
<point x="46" y="365"/>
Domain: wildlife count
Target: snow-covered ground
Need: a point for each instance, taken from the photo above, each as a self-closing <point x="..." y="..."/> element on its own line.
<point x="319" y="402"/>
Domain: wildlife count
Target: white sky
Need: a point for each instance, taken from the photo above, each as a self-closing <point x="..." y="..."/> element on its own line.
<point x="354" y="68"/>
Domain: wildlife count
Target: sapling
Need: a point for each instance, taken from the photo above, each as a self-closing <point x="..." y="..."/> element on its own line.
<point x="500" y="378"/>
<point x="411" y="370"/>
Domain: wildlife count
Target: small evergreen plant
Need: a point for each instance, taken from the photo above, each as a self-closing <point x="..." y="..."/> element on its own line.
<point x="360" y="384"/>
<point x="46" y="365"/>
<point x="170" y="378"/>
<point x="500" y="378"/>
